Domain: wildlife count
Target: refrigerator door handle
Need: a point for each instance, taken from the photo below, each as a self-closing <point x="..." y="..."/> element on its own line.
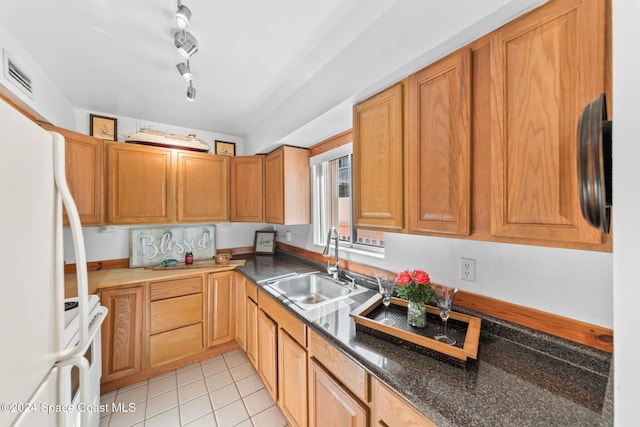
<point x="83" y="368"/>
<point x="78" y="246"/>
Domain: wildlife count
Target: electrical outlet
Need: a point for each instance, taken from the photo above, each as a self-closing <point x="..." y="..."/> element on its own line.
<point x="468" y="269"/>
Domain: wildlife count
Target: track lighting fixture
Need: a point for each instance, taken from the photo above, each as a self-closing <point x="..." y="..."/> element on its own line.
<point x="191" y="92"/>
<point x="185" y="70"/>
<point x="182" y="16"/>
<point x="186" y="43"/>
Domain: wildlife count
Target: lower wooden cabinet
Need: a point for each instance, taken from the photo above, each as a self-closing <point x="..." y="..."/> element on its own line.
<point x="268" y="353"/>
<point x="391" y="410"/>
<point x="252" y="332"/>
<point x="122" y="332"/>
<point x="330" y="404"/>
<point x="292" y="379"/>
<point x="240" y="305"/>
<point x="221" y="302"/>
<point x="156" y="326"/>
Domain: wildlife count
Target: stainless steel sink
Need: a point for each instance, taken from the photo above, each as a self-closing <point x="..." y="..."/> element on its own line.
<point x="309" y="291"/>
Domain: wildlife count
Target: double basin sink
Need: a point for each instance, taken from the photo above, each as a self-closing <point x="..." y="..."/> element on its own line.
<point x="312" y="290"/>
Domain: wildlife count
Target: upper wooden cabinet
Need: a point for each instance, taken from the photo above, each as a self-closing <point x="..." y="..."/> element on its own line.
<point x="159" y="185"/>
<point x="246" y="189"/>
<point x="139" y="184"/>
<point x="544" y="68"/>
<point x="439" y="146"/>
<point x="203" y="187"/>
<point x="378" y="152"/>
<point x="84" y="160"/>
<point x="288" y="186"/>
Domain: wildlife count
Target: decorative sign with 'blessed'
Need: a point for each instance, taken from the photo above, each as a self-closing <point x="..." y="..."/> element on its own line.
<point x="152" y="245"/>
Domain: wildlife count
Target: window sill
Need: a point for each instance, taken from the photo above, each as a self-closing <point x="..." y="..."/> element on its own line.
<point x="377" y="253"/>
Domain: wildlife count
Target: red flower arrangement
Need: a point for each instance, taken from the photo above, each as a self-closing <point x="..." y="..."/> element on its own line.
<point x="415" y="286"/>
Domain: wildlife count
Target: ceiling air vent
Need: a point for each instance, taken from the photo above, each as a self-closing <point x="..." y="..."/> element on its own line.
<point x="16" y="74"/>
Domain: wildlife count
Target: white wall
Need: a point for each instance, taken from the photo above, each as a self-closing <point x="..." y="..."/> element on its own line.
<point x="626" y="212"/>
<point x="114" y="244"/>
<point x="47" y="99"/>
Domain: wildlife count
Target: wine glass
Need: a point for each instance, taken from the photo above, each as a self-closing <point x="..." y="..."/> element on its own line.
<point x="386" y="287"/>
<point x="444" y="300"/>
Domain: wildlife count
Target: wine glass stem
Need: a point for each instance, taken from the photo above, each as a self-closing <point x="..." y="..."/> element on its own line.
<point x="385" y="313"/>
<point x="445" y="327"/>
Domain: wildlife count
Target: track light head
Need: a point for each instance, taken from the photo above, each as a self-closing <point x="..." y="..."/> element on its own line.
<point x="185" y="70"/>
<point x="191" y="92"/>
<point x="186" y="43"/>
<point x="182" y="16"/>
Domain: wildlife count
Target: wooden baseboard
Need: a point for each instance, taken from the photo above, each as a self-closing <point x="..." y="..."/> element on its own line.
<point x="124" y="262"/>
<point x="552" y="324"/>
<point x="100" y="265"/>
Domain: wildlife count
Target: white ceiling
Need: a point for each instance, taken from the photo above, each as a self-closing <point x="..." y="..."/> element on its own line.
<point x="263" y="67"/>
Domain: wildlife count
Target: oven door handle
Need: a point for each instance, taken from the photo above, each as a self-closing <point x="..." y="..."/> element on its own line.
<point x="81" y="348"/>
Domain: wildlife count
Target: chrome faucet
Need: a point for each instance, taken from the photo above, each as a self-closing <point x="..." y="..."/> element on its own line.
<point x="333" y="270"/>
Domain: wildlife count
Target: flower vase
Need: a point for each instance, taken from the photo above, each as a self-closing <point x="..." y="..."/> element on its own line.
<point x="417" y="314"/>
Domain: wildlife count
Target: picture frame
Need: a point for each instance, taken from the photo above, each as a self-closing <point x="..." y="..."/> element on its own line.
<point x="103" y="127"/>
<point x="265" y="242"/>
<point x="224" y="148"/>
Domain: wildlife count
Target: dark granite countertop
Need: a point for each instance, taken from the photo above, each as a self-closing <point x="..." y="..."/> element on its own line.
<point x="521" y="377"/>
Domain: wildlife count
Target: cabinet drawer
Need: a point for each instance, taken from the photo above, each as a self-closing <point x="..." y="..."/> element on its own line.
<point x="175" y="344"/>
<point x="391" y="410"/>
<point x="352" y="375"/>
<point x="175" y="288"/>
<point x="175" y="312"/>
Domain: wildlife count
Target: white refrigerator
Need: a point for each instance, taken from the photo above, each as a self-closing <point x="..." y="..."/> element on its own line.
<point x="33" y="358"/>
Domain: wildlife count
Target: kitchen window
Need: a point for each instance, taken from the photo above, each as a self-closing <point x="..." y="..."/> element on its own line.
<point x="333" y="204"/>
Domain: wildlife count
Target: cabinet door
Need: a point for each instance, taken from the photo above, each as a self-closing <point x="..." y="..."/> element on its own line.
<point x="122" y="332"/>
<point x="288" y="186"/>
<point x="268" y="353"/>
<point x="292" y="379"/>
<point x="84" y="171"/>
<point x="221" y="303"/>
<point x="139" y="184"/>
<point x="378" y="161"/>
<point x="252" y="332"/>
<point x="545" y="67"/>
<point x="439" y="146"/>
<point x="274" y="187"/>
<point x="240" y="304"/>
<point x="330" y="404"/>
<point x="202" y="187"/>
<point x="246" y="189"/>
<point x="391" y="410"/>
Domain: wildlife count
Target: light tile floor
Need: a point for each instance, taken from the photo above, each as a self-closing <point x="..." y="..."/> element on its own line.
<point x="223" y="391"/>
